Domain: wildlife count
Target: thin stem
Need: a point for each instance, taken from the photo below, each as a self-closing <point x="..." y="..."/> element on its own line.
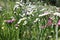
<point x="56" y="32"/>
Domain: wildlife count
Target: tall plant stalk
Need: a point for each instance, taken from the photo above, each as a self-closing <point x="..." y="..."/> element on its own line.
<point x="56" y="32"/>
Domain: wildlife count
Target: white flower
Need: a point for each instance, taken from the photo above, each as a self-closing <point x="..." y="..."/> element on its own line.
<point x="0" y="8"/>
<point x="57" y="14"/>
<point x="45" y="4"/>
<point x="29" y="13"/>
<point x="43" y="9"/>
<point x="28" y="17"/>
<point x="21" y="20"/>
<point x="32" y="14"/>
<point x="22" y="15"/>
<point x="21" y="5"/>
<point x="50" y="36"/>
<point x="25" y="22"/>
<point x="44" y="14"/>
<point x="2" y="28"/>
<point x="16" y="27"/>
<point x="17" y="2"/>
<point x="57" y="8"/>
<point x="36" y="19"/>
<point x="21" y="0"/>
<point x="3" y="23"/>
<point x="16" y="6"/>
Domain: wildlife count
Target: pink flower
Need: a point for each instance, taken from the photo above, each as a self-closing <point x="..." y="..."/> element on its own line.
<point x="58" y="22"/>
<point x="49" y="23"/>
<point x="9" y="21"/>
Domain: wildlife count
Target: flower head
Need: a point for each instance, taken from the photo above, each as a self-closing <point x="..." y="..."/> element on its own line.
<point x="9" y="21"/>
<point x="49" y="23"/>
<point x="2" y="28"/>
<point x="58" y="22"/>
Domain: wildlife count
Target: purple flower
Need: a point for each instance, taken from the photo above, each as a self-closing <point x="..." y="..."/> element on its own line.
<point x="9" y="21"/>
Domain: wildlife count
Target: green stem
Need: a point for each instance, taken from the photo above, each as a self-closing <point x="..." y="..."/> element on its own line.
<point x="56" y="32"/>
